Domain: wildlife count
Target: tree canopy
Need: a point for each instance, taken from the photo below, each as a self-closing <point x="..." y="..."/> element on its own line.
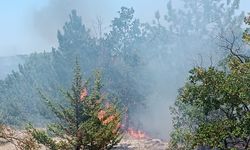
<point x="212" y="109"/>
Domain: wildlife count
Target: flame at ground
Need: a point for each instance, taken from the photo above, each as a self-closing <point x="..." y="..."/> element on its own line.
<point x="137" y="134"/>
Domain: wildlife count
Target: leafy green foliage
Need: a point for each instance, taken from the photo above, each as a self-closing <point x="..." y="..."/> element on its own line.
<point x="88" y="121"/>
<point x="136" y="59"/>
<point x="186" y="118"/>
<point x="222" y="99"/>
<point x="212" y="108"/>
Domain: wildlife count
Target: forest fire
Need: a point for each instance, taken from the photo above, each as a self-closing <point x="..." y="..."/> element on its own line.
<point x="141" y="75"/>
<point x="84" y="93"/>
<point x="137" y="134"/>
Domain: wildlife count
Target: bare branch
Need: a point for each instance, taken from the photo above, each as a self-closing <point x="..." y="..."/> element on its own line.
<point x="233" y="46"/>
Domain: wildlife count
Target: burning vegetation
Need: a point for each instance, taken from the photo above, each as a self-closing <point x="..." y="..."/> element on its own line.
<point x="137" y="134"/>
<point x="211" y="111"/>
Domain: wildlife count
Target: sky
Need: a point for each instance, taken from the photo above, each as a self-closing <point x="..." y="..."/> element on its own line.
<point x="31" y="25"/>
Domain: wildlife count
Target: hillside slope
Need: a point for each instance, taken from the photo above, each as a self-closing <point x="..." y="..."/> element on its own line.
<point x="9" y="63"/>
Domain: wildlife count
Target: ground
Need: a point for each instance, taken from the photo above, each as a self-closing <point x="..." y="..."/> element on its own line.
<point x="127" y="143"/>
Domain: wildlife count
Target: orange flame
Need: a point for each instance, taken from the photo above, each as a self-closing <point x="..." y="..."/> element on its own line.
<point x="84" y="93"/>
<point x="107" y="117"/>
<point x="137" y="134"/>
<point x="108" y="120"/>
<point x="101" y="114"/>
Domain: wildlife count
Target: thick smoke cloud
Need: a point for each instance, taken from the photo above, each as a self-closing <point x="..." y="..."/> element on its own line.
<point x="32" y="26"/>
<point x="41" y="35"/>
<point x="47" y="20"/>
<point x="156" y="118"/>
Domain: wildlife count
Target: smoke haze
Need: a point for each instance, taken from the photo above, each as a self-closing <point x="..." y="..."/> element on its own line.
<point x="32" y="25"/>
<point x="33" y="28"/>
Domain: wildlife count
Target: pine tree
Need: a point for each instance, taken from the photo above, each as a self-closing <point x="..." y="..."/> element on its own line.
<point x="87" y="122"/>
<point x="122" y="44"/>
<point x="75" y="37"/>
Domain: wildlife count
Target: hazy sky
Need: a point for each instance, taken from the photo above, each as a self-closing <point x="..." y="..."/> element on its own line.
<point x="31" y="25"/>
